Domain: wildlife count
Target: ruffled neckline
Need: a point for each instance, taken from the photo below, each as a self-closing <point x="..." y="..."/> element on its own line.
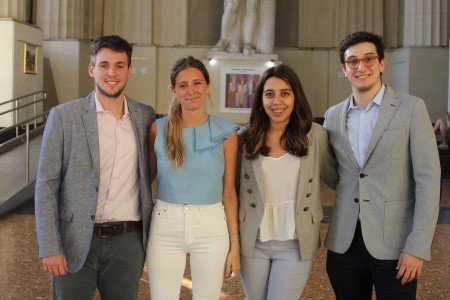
<point x="212" y="133"/>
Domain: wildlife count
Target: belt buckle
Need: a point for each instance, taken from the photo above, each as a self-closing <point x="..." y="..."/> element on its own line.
<point x="100" y="231"/>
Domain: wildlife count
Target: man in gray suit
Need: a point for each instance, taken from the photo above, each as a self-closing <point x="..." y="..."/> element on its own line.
<point x="93" y="195"/>
<point x="387" y="197"/>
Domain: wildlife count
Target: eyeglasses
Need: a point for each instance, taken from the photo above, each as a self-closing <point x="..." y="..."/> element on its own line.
<point x="353" y="63"/>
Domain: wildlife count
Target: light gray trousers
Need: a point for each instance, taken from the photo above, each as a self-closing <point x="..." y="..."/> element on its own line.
<point x="275" y="271"/>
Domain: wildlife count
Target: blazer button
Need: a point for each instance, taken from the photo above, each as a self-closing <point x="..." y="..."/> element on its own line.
<point x="249" y="191"/>
<point x="362" y="175"/>
<point x="310" y="180"/>
<point x="307" y="195"/>
<point x="246" y="176"/>
<point x="253" y="205"/>
<point x="305" y="208"/>
<point x="92" y="217"/>
<point x="96" y="189"/>
<point x="356" y="200"/>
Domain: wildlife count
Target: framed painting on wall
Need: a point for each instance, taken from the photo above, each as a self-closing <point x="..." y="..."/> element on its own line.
<point x="30" y="56"/>
<point x="238" y="88"/>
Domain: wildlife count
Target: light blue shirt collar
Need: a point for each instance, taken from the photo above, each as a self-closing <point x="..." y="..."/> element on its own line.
<point x="360" y="125"/>
<point x="378" y="99"/>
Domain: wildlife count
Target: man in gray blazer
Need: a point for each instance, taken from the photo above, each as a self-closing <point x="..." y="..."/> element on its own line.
<point x="93" y="195"/>
<point x="387" y="197"/>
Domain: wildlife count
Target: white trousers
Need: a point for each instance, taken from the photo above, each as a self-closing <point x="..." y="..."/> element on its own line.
<point x="177" y="229"/>
<point x="275" y="271"/>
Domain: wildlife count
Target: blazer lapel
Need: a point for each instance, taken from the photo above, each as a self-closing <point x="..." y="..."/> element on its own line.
<point x="138" y="126"/>
<point x="89" y="118"/>
<point x="388" y="108"/>
<point x="137" y="121"/>
<point x="304" y="173"/>
<point x="256" y="166"/>
<point x="342" y="128"/>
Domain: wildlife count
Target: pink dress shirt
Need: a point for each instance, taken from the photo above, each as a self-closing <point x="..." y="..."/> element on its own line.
<point x="118" y="193"/>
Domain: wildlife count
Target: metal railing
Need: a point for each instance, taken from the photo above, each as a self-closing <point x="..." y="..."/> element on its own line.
<point x="25" y="124"/>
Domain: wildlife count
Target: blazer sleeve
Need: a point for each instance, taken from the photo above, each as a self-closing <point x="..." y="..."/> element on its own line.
<point x="48" y="181"/>
<point x="328" y="163"/>
<point x="427" y="176"/>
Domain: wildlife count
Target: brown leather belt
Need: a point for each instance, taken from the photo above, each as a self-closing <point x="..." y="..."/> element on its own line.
<point x="110" y="229"/>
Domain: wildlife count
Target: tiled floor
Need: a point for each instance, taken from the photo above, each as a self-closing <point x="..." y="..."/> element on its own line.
<point x="21" y="275"/>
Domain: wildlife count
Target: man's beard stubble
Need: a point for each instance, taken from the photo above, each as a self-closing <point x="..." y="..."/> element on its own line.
<point x="115" y="95"/>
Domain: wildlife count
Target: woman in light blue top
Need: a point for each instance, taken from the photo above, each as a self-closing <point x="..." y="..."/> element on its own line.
<point x="193" y="157"/>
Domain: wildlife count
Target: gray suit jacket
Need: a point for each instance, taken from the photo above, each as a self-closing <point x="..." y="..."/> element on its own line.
<point x="396" y="192"/>
<point x="68" y="177"/>
<point x="308" y="213"/>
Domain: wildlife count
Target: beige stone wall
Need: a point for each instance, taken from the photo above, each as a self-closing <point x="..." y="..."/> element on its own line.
<point x="14" y="82"/>
<point x="299" y="23"/>
<point x="15" y="9"/>
<point x="308" y="33"/>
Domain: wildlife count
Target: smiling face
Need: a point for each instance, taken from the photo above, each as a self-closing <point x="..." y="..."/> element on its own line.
<point x="363" y="79"/>
<point x="278" y="101"/>
<point x="191" y="89"/>
<point x="110" y="72"/>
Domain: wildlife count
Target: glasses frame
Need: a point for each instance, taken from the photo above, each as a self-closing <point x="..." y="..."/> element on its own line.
<point x="362" y="60"/>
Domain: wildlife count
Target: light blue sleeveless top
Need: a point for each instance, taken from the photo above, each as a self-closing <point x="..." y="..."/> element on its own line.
<point x="199" y="179"/>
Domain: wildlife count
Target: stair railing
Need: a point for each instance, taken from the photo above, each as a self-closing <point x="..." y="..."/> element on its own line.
<point x="38" y="97"/>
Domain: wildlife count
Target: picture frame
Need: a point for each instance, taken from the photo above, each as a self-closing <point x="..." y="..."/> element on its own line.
<point x="238" y="88"/>
<point x="30" y="56"/>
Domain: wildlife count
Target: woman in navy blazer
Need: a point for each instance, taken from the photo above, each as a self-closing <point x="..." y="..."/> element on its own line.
<point x="284" y="153"/>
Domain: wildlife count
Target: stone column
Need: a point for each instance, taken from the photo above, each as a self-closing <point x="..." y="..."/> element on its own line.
<point x="170" y="19"/>
<point x="130" y="19"/>
<point x="63" y="19"/>
<point x="393" y="23"/>
<point x="426" y="23"/>
<point x="266" y="35"/>
<point x="96" y="18"/>
<point x="16" y="9"/>
<point x="325" y="23"/>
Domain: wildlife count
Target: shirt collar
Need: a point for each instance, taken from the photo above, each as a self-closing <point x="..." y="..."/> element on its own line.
<point x="378" y="99"/>
<point x="100" y="108"/>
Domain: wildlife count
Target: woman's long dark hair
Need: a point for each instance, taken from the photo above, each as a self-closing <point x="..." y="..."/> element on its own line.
<point x="294" y="139"/>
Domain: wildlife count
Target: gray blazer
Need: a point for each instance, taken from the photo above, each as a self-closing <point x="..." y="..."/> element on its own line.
<point x="396" y="192"/>
<point x="68" y="178"/>
<point x="308" y="213"/>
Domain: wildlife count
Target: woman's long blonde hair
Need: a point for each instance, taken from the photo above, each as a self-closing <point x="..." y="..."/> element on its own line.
<point x="174" y="133"/>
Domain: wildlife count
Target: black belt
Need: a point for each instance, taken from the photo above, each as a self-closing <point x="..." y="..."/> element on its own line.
<point x="115" y="228"/>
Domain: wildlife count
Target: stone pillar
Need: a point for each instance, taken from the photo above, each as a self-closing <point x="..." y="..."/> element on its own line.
<point x="426" y="23"/>
<point x="130" y="19"/>
<point x="170" y="19"/>
<point x="357" y="15"/>
<point x="393" y="23"/>
<point x="63" y="19"/>
<point x="15" y="9"/>
<point x="325" y="23"/>
<point x="266" y="35"/>
<point x="96" y="18"/>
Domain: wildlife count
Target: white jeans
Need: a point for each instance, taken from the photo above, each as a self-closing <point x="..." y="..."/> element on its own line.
<point x="275" y="271"/>
<point x="177" y="229"/>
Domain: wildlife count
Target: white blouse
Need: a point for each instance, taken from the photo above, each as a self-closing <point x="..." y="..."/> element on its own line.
<point x="279" y="192"/>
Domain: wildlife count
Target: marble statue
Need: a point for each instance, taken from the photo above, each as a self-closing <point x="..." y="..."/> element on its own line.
<point x="243" y="30"/>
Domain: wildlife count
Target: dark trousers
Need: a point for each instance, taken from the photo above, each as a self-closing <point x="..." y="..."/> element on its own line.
<point x="354" y="274"/>
<point x="114" y="265"/>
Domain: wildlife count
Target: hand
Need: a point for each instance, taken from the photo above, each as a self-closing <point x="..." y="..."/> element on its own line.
<point x="233" y="264"/>
<point x="55" y="265"/>
<point x="409" y="267"/>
